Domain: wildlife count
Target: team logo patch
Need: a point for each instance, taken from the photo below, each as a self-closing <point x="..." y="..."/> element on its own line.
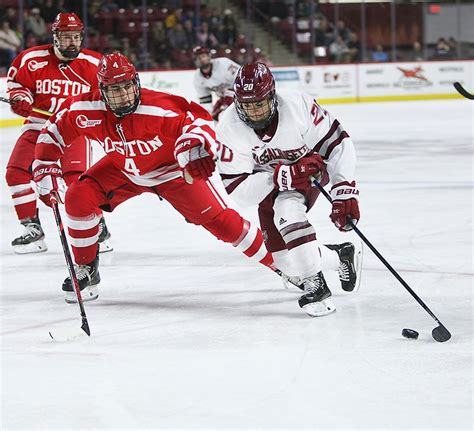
<point x="34" y="65"/>
<point x="82" y="121"/>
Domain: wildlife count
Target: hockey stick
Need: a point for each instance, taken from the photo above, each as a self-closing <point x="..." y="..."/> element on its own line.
<point x="38" y="110"/>
<point x="462" y="91"/>
<point x="68" y="334"/>
<point x="440" y="333"/>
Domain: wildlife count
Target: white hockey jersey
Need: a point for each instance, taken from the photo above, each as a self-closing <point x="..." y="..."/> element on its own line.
<point x="221" y="80"/>
<point x="247" y="162"/>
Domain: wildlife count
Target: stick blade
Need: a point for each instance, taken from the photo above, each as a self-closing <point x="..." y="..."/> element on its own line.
<point x="441" y="334"/>
<point x="68" y="334"/>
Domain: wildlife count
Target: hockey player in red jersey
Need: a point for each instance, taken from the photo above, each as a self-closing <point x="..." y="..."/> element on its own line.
<point x="214" y="75"/>
<point x="43" y="76"/>
<point x="272" y="144"/>
<point x="149" y="138"/>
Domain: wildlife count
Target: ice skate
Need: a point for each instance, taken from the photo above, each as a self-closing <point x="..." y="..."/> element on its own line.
<point x="316" y="300"/>
<point x="32" y="239"/>
<point x="350" y="264"/>
<point x="105" y="245"/>
<point x="88" y="278"/>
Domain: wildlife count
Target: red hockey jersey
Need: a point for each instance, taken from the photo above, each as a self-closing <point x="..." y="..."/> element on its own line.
<point x="39" y="76"/>
<point x="141" y="144"/>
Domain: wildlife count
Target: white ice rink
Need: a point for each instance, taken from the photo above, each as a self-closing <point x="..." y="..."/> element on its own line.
<point x="187" y="333"/>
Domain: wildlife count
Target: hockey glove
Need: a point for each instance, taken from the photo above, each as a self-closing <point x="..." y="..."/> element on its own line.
<point x="345" y="204"/>
<point x="195" y="158"/>
<point x="22" y="107"/>
<point x="48" y="179"/>
<point x="297" y="176"/>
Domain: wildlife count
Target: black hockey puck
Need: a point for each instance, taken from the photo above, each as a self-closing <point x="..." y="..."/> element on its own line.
<point x="410" y="333"/>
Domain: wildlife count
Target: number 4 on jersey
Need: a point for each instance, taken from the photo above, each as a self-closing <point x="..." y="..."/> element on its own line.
<point x="131" y="167"/>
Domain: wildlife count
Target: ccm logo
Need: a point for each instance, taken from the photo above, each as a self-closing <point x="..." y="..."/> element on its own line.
<point x="347" y="192"/>
<point x="33" y="65"/>
<point x="82" y="121"/>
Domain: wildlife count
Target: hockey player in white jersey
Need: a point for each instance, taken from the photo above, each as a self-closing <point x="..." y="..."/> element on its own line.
<point x="214" y="76"/>
<point x="272" y="146"/>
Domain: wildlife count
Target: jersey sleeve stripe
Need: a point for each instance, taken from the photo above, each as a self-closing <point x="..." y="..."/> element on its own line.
<point x="155" y="111"/>
<point x="89" y="58"/>
<point x="84" y="105"/>
<point x="33" y="54"/>
<point x="331" y="147"/>
<point x="327" y="136"/>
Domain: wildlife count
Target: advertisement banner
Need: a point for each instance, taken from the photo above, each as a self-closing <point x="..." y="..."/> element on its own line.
<point x="411" y="80"/>
<point x="326" y="83"/>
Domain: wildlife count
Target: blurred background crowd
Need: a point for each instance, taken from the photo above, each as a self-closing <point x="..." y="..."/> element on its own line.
<point x="161" y="34"/>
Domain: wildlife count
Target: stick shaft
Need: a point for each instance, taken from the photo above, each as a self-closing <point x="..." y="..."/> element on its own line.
<point x="381" y="258"/>
<point x="37" y="110"/>
<point x="69" y="263"/>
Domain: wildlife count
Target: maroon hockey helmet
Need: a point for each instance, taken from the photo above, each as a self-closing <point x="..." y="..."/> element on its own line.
<point x="68" y="44"/>
<point x="198" y="58"/>
<point x="254" y="95"/>
<point x="119" y="84"/>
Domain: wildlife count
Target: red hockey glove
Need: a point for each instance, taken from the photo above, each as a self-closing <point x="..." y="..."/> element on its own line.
<point x="345" y="203"/>
<point x="220" y="106"/>
<point x="22" y="107"/>
<point x="195" y="158"/>
<point x="48" y="179"/>
<point x="297" y="176"/>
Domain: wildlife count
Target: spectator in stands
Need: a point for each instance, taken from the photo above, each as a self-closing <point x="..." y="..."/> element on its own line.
<point x="453" y="46"/>
<point x="190" y="33"/>
<point x="173" y="18"/>
<point x="177" y="37"/>
<point x="230" y="31"/>
<point x="36" y="26"/>
<point x="109" y="6"/>
<point x="9" y="44"/>
<point x="49" y="11"/>
<point x="354" y="49"/>
<point x="338" y="50"/>
<point x="343" y="31"/>
<point x="379" y="55"/>
<point x="205" y="37"/>
<point x="442" y="50"/>
<point x="416" y="53"/>
<point x="158" y="32"/>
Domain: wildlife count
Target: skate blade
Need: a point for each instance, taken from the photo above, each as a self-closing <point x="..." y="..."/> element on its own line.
<point x="358" y="257"/>
<point x="88" y="294"/>
<point x="321" y="308"/>
<point x="33" y="247"/>
<point x="68" y="334"/>
<point x="105" y="246"/>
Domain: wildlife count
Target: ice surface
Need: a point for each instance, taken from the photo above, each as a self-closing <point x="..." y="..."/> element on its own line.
<point x="187" y="333"/>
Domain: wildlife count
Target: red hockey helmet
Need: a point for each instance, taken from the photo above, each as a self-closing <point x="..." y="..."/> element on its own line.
<point x="119" y="84"/>
<point x="202" y="56"/>
<point x="254" y="95"/>
<point x="68" y="34"/>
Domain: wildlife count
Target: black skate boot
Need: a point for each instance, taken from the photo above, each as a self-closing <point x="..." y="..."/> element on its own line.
<point x="104" y="237"/>
<point x="350" y="265"/>
<point x="88" y="277"/>
<point x="315" y="301"/>
<point x="32" y="239"/>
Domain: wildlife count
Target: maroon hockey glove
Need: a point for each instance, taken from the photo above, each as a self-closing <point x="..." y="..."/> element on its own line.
<point x="195" y="158"/>
<point x="345" y="203"/>
<point x="297" y="176"/>
<point x="22" y="107"/>
<point x="48" y="179"/>
<point x="220" y="106"/>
